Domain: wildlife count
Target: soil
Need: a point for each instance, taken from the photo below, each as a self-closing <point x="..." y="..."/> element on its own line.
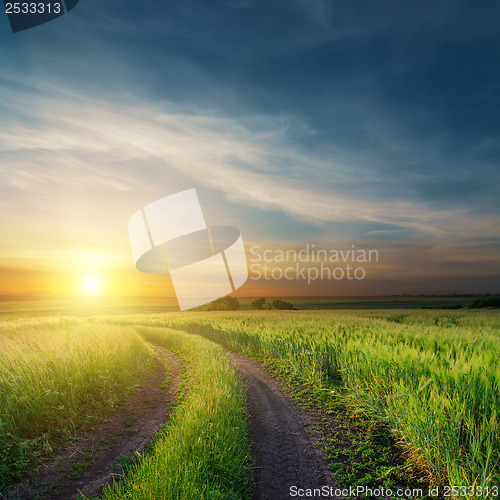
<point x="285" y="452"/>
<point x="99" y="458"/>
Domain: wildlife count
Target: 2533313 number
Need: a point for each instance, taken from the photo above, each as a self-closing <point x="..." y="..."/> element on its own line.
<point x="470" y="491"/>
<point x="33" y="8"/>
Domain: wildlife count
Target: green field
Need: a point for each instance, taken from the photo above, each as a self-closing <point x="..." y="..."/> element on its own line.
<point x="430" y="378"/>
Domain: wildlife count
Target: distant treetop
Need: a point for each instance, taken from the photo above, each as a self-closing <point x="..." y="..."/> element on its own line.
<point x="262" y="304"/>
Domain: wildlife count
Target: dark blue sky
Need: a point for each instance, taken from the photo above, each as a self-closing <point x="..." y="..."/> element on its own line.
<point x="337" y="122"/>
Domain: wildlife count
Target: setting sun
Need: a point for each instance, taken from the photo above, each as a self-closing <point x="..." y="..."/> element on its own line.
<point x="91" y="284"/>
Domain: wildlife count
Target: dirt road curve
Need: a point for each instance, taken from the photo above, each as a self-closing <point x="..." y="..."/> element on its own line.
<point x="89" y="464"/>
<point x="285" y="454"/>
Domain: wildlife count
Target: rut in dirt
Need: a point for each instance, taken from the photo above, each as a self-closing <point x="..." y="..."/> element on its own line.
<point x="89" y="464"/>
<point x="285" y="454"/>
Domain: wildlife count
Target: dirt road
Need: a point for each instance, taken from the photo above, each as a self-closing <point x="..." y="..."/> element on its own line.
<point x="286" y="455"/>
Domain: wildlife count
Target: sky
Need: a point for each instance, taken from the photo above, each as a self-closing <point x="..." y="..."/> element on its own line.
<point x="330" y="124"/>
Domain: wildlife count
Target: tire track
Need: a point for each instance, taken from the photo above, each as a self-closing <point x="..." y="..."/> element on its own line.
<point x="89" y="464"/>
<point x="285" y="455"/>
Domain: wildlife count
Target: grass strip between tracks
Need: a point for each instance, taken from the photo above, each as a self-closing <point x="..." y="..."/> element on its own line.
<point x="203" y="452"/>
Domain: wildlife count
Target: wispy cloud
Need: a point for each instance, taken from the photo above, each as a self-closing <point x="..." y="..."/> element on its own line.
<point x="59" y="141"/>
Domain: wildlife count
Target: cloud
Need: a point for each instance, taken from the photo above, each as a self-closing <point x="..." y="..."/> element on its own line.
<point x="53" y="142"/>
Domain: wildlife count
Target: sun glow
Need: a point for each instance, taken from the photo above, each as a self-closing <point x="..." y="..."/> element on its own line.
<point x="91" y="284"/>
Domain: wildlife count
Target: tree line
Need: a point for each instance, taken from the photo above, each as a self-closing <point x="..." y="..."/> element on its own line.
<point x="232" y="304"/>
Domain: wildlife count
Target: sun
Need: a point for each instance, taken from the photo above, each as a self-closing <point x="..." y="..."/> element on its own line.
<point x="92" y="284"/>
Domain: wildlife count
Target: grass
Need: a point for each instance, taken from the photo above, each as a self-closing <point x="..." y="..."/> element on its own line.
<point x="360" y="449"/>
<point x="57" y="377"/>
<point x="428" y="380"/>
<point x="432" y="378"/>
<point x="203" y="452"/>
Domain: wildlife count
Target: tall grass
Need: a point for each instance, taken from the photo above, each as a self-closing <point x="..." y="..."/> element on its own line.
<point x="433" y="377"/>
<point x="203" y="453"/>
<point x="59" y="375"/>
